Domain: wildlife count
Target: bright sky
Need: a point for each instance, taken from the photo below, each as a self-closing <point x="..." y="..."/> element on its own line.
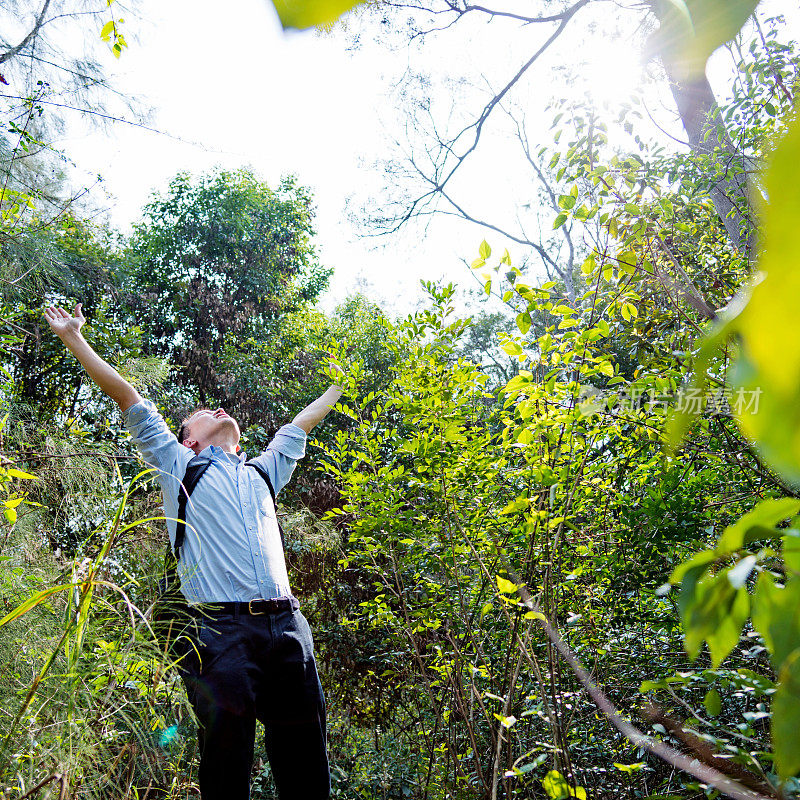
<point x="233" y="89"/>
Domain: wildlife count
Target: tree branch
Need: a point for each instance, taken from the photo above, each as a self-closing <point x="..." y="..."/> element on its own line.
<point x="33" y="32"/>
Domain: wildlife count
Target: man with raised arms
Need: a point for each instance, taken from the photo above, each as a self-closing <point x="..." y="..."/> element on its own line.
<point x="253" y="657"/>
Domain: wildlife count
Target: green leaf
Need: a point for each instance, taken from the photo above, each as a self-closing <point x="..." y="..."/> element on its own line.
<point x="731" y="618"/>
<point x="555" y="786"/>
<point x="18" y="473"/>
<point x="680" y="421"/>
<point x="791" y="552"/>
<point x="766" y="377"/>
<point x="589" y="265"/>
<point x="786" y="718"/>
<point x="712" y="610"/>
<point x="517" y="505"/>
<point x="697" y="564"/>
<point x="505" y="586"/>
<point x="485" y="250"/>
<point x="11" y="515"/>
<point x="690" y="30"/>
<point x="559" y="221"/>
<point x="301" y="14"/>
<point x="106" y="30"/>
<point x="566" y="201"/>
<point x="33" y="601"/>
<point x="757" y="524"/>
<point x="512" y="348"/>
<point x="712" y="702"/>
<point x="524" y="322"/>
<point x="629" y="768"/>
<point x="776" y="616"/>
<point x="606" y="368"/>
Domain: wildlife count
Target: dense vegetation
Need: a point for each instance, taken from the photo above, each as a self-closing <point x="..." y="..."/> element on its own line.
<point x="548" y="551"/>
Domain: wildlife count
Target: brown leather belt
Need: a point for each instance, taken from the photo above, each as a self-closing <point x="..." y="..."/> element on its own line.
<point x="254" y="608"/>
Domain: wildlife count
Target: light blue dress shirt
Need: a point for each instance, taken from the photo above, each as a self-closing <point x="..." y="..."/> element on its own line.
<point x="232" y="550"/>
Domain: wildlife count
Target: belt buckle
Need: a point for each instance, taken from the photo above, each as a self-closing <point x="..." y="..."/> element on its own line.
<point x="250" y="608"/>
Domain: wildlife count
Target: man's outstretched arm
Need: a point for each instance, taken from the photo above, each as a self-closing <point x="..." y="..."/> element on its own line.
<point x="68" y="328"/>
<point x="315" y="412"/>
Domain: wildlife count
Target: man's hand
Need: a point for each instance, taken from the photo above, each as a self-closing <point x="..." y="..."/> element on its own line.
<point x="68" y="328"/>
<point x="336" y="371"/>
<point x="62" y="323"/>
<point x="315" y="412"/>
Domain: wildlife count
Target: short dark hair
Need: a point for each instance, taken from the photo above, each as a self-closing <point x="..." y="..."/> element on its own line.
<point x="183" y="431"/>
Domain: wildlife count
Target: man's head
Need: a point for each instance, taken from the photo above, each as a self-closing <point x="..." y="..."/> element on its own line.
<point x="207" y="426"/>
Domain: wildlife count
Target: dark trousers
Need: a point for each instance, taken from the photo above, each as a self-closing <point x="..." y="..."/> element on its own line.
<point x="247" y="668"/>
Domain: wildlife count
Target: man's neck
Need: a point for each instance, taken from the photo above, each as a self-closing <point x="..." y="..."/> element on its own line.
<point x="231" y="449"/>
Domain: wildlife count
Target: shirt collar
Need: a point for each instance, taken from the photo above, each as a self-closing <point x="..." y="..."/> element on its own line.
<point x="214" y="452"/>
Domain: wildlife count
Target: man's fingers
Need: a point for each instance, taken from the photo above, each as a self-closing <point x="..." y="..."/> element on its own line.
<point x="57" y="313"/>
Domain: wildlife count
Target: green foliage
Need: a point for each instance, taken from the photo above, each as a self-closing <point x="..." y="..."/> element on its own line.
<point x="218" y="257"/>
<point x="466" y="497"/>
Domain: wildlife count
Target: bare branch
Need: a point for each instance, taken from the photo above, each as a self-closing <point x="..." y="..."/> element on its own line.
<point x="492" y="104"/>
<point x="692" y="766"/>
<point x="31" y="34"/>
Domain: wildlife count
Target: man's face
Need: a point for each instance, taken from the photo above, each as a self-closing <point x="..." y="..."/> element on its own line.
<point x="212" y="427"/>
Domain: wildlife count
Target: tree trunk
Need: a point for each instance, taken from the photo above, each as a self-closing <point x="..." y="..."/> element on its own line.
<point x="698" y="111"/>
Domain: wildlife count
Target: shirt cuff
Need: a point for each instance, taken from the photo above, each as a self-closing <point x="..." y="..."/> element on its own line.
<point x="136" y="414"/>
<point x="290" y="440"/>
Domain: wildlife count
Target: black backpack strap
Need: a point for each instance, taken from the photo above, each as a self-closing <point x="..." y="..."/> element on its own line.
<point x="194" y="471"/>
<point x="263" y="473"/>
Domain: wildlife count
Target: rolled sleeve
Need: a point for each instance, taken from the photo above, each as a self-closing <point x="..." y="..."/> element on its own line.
<point x="157" y="444"/>
<point x="282" y="454"/>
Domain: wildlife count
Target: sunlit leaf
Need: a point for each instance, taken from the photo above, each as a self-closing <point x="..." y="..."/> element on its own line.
<point x="18" y="473"/>
<point x="303" y="14"/>
<point x="757" y="524"/>
<point x="690" y="30"/>
<point x="33" y="601"/>
<point x="786" y="717"/>
<point x="505" y="586"/>
<point x="766" y="372"/>
<point x="555" y="786"/>
<point x="776" y="616"/>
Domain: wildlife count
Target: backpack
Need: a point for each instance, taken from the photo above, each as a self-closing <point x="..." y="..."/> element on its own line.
<point x="171" y="611"/>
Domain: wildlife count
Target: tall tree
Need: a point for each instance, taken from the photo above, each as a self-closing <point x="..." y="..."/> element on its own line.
<point x="220" y="256"/>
